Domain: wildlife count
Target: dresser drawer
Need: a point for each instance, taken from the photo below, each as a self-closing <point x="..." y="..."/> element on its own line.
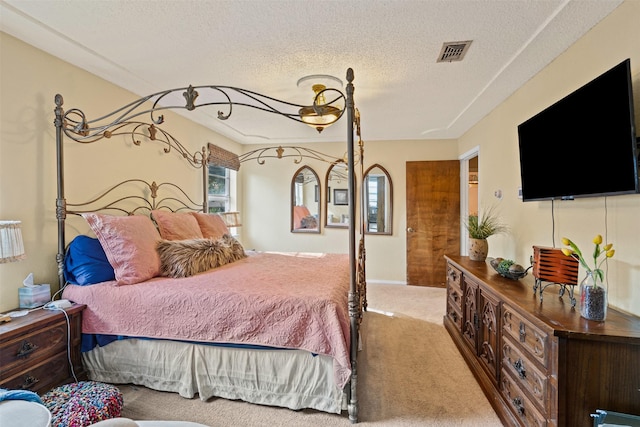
<point x="519" y="403"/>
<point x="454" y="295"/>
<point x="531" y="338"/>
<point x="454" y="277"/>
<point x="525" y="373"/>
<point x="454" y="314"/>
<point x="40" y="377"/>
<point x="41" y="343"/>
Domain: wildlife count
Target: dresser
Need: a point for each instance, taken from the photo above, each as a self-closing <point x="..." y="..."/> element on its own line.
<point x="33" y="350"/>
<point x="540" y="363"/>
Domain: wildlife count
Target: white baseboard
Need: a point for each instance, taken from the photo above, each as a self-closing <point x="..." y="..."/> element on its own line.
<point x="386" y="282"/>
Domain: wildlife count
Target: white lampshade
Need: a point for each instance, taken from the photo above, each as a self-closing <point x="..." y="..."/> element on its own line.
<point x="11" y="246"/>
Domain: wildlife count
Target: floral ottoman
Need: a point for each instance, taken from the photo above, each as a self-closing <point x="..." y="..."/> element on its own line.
<point x="83" y="403"/>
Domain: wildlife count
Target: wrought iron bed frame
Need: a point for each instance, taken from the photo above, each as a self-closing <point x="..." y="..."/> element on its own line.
<point x="74" y="125"/>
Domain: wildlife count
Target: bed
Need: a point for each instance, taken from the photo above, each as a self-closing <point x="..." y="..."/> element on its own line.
<point x="175" y="303"/>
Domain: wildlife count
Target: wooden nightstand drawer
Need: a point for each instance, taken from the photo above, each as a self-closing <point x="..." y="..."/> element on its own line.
<point x="525" y="372"/>
<point x="40" y="377"/>
<point x="35" y="349"/>
<point x="48" y="341"/>
<point x="530" y="337"/>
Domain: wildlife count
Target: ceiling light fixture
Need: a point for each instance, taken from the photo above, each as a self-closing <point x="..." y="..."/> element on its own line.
<point x="320" y="114"/>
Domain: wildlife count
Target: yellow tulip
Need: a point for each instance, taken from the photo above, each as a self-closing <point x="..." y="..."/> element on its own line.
<point x="607" y="251"/>
<point x="567" y="251"/>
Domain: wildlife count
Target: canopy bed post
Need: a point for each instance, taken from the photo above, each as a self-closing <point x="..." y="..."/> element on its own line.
<point x="353" y="293"/>
<point x="205" y="181"/>
<point x="61" y="209"/>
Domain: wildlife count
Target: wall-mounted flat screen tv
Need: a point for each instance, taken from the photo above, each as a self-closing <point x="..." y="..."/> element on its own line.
<point x="584" y="145"/>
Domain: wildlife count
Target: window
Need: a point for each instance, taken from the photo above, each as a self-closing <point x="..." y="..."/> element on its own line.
<point x="219" y="189"/>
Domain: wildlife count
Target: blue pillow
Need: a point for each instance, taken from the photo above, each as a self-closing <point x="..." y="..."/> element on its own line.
<point x="85" y="262"/>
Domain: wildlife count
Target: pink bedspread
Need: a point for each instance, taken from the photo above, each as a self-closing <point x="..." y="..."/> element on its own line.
<point x="287" y="300"/>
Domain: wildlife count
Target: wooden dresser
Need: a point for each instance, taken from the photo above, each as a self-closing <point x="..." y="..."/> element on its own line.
<point x="540" y="363"/>
<point x="33" y="350"/>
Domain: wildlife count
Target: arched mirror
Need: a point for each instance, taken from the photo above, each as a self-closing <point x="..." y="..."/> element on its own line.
<point x="305" y="201"/>
<point x="337" y="196"/>
<point x="378" y="194"/>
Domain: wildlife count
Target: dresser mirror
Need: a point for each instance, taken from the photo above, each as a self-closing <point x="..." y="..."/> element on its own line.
<point x="378" y="194"/>
<point x="305" y="201"/>
<point x="337" y="196"/>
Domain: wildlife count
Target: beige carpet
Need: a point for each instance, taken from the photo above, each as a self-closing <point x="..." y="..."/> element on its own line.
<point x="410" y="374"/>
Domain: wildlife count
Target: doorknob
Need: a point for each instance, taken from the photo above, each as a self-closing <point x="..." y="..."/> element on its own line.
<point x="410" y="230"/>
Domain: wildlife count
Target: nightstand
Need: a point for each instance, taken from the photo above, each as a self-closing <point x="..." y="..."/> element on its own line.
<point x="33" y="350"/>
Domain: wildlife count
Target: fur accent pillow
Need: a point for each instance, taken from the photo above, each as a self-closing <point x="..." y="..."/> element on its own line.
<point x="237" y="250"/>
<point x="184" y="258"/>
<point x="309" y="221"/>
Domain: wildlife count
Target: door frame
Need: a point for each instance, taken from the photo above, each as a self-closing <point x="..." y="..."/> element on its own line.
<point x="464" y="195"/>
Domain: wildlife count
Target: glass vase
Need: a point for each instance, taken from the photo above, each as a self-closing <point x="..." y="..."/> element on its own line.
<point x="593" y="298"/>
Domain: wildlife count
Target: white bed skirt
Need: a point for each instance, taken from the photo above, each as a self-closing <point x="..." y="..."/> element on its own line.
<point x="292" y="379"/>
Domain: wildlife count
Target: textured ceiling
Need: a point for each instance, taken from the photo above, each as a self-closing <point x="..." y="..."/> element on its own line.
<point x="392" y="45"/>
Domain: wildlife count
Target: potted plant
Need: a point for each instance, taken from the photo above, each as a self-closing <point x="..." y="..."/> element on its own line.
<point x="593" y="296"/>
<point x="480" y="227"/>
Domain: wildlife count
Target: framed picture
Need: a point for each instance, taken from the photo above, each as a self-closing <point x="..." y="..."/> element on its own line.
<point x="340" y="196"/>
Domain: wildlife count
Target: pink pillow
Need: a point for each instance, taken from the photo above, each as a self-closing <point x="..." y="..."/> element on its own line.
<point x="211" y="225"/>
<point x="130" y="245"/>
<point x="176" y="226"/>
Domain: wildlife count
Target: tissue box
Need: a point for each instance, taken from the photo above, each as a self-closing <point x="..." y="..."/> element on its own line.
<point x="34" y="296"/>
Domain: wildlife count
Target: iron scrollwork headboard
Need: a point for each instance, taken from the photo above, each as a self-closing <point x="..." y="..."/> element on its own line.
<point x="139" y="196"/>
<point x="74" y="125"/>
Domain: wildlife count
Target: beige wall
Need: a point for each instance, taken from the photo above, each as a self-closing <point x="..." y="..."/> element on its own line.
<point x="266" y="192"/>
<point x="607" y="44"/>
<point x="31" y="78"/>
<point x="29" y="81"/>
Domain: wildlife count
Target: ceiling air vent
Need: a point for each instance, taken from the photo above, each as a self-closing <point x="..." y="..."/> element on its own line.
<point x="453" y="51"/>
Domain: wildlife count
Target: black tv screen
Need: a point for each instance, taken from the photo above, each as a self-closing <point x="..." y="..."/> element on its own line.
<point x="583" y="145"/>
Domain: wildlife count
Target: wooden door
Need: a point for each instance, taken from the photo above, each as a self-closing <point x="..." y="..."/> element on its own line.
<point x="433" y="219"/>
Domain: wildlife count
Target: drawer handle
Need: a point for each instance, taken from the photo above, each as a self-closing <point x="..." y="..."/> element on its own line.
<point x="517" y="402"/>
<point x="26" y="349"/>
<point x="453" y="275"/>
<point x="29" y="382"/>
<point x="523" y="332"/>
<point x="519" y="367"/>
